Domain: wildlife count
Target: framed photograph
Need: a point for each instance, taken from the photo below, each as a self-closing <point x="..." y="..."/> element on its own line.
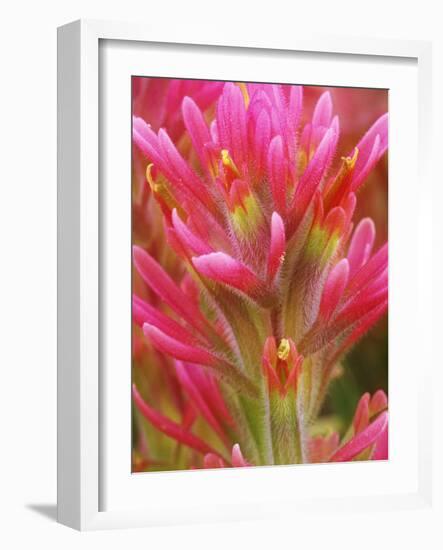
<point x="234" y="340"/>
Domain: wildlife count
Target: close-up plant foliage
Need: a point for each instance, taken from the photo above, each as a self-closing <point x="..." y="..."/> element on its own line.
<point x="260" y="280"/>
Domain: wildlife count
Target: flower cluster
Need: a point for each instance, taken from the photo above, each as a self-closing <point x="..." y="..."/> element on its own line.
<point x="274" y="282"/>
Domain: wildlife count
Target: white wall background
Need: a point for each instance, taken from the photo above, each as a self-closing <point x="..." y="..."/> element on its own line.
<point x="28" y="264"/>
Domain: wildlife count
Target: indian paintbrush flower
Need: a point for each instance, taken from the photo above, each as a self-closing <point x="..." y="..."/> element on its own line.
<point x="278" y="283"/>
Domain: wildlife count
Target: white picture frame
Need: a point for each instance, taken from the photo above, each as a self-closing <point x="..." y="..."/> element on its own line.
<point x="83" y="398"/>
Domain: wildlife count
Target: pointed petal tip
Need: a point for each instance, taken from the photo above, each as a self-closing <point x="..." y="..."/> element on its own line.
<point x="277" y="245"/>
<point x="237" y="458"/>
<point x="179" y="349"/>
<point x="379" y="402"/>
<point x="148" y="328"/>
<point x="276" y="220"/>
<point x="137" y="255"/>
<point x="188" y="101"/>
<point x="333" y="290"/>
<point x="323" y="110"/>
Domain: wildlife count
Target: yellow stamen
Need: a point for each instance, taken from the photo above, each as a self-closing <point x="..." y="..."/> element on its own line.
<point x="150" y="179"/>
<point x="244" y="91"/>
<point x="227" y="161"/>
<point x="345" y="169"/>
<point x="283" y="349"/>
<point x="161" y="190"/>
<point x="350" y="161"/>
<point x="302" y="161"/>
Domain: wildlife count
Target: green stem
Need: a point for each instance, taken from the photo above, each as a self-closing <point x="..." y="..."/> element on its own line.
<point x="257" y="416"/>
<point x="287" y="429"/>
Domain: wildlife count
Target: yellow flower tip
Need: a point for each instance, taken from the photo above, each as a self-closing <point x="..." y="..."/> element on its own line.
<point x="302" y="161"/>
<point x="350" y="161"/>
<point x="227" y="159"/>
<point x="161" y="191"/>
<point x="283" y="349"/>
<point x="149" y="177"/>
<point x="244" y="91"/>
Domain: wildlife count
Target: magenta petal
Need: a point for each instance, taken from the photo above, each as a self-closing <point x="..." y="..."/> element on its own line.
<point x="197" y="398"/>
<point x="198" y="131"/>
<point x="160" y="150"/>
<point x="279" y="112"/>
<point x="323" y="111"/>
<point x="262" y="139"/>
<point x="358" y="307"/>
<point x="277" y="245"/>
<point x="373" y="268"/>
<point x="366" y="322"/>
<point x="170" y="428"/>
<point x="381" y="451"/>
<point x="212" y="461"/>
<point x="370" y="149"/>
<point x="333" y="289"/>
<point x="278" y="173"/>
<point x="360" y="175"/>
<point x="210" y="391"/>
<point x="183" y="177"/>
<point x="349" y="205"/>
<point x="162" y="284"/>
<point x="335" y="125"/>
<point x="237" y="458"/>
<point x="222" y="268"/>
<point x="361" y="441"/>
<point x="231" y="123"/>
<point x="147" y="141"/>
<point x="183" y="174"/>
<point x="295" y="107"/>
<point x="208" y="93"/>
<point x="315" y="172"/>
<point x="198" y="355"/>
<point x="379" y="402"/>
<point x="335" y="221"/>
<point x="259" y="103"/>
<point x="187" y="237"/>
<point x="177" y="348"/>
<point x="361" y="245"/>
<point x="361" y="416"/>
<point x="213" y="130"/>
<point x="142" y="313"/>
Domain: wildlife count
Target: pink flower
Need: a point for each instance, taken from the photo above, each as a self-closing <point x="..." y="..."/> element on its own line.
<point x="282" y="283"/>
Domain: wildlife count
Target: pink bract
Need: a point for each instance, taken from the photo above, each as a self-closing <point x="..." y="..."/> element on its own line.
<point x="275" y="279"/>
